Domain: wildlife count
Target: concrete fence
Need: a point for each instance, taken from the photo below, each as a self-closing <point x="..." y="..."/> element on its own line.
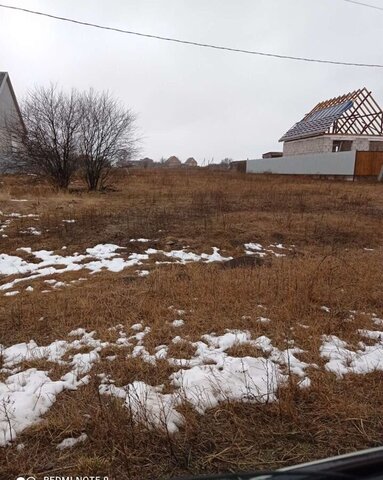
<point x="340" y="163"/>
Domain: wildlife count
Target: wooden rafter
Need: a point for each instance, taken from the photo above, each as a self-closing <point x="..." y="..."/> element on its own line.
<point x="364" y="118"/>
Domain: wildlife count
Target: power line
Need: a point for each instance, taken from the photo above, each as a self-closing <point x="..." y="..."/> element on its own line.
<point x="364" y="4"/>
<point x="196" y="44"/>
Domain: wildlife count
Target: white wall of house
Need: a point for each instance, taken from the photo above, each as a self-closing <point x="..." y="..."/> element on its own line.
<point x="323" y="144"/>
<point x="340" y="163"/>
<point x="320" y="144"/>
<point x="7" y="105"/>
<point x="8" y="113"/>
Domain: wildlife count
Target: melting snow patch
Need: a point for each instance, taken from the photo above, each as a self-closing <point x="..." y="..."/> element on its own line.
<point x="341" y="360"/>
<point x="177" y="310"/>
<point x="142" y="273"/>
<point x="137" y="326"/>
<point x="376" y="320"/>
<point x="255" y="247"/>
<point x="178" y="323"/>
<point x="31" y="231"/>
<point x="226" y="378"/>
<point x="263" y="320"/>
<point x="19" y="215"/>
<point x="183" y="257"/>
<point x="25" y="397"/>
<point x="260" y="251"/>
<point x="211" y="376"/>
<point x="72" y="441"/>
<point x="149" y="405"/>
<point x="11" y="294"/>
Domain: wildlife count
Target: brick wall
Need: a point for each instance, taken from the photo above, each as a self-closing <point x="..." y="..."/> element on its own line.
<point x="323" y="144"/>
<point x="307" y="145"/>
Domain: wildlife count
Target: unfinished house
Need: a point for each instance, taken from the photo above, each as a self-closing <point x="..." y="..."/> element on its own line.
<point x="340" y="137"/>
<point x="350" y="122"/>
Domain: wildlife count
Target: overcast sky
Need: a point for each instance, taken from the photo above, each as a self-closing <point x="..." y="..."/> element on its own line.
<point x="193" y="101"/>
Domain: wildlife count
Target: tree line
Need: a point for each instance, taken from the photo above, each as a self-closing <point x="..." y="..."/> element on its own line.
<point x="62" y="134"/>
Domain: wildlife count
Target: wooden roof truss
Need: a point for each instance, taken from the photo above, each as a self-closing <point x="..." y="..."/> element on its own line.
<point x="355" y="113"/>
<point x="365" y="117"/>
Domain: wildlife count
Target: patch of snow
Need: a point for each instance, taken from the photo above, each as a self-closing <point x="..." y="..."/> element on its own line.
<point x="343" y="361"/>
<point x="254" y="246"/>
<point x="373" y="334"/>
<point x="149" y="405"/>
<point x="25" y="397"/>
<point x="263" y="320"/>
<point x="215" y="256"/>
<point x="31" y="231"/>
<point x="137" y="327"/>
<point x="11" y="294"/>
<point x="244" y="379"/>
<point x="19" y="215"/>
<point x="77" y="332"/>
<point x="72" y="441"/>
<point x="178" y="323"/>
<point x="142" y="273"/>
<point x="302" y="325"/>
<point x="377" y="321"/>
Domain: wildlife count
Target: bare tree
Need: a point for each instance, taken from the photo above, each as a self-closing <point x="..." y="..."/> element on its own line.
<point x="226" y="161"/>
<point x="46" y="143"/>
<point x="107" y="132"/>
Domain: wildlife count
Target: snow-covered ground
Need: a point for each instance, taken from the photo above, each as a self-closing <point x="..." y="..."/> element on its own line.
<point x="212" y="375"/>
<point x="101" y="257"/>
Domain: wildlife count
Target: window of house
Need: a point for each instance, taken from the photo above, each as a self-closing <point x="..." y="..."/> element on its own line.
<point x="341" y="145"/>
<point x="376" y="146"/>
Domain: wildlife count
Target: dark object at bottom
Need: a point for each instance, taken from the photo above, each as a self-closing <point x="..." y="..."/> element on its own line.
<point x="364" y="465"/>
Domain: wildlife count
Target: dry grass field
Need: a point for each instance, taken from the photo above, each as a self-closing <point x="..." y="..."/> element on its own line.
<point x="321" y="281"/>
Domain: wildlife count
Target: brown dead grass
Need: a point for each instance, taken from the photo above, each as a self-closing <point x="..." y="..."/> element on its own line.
<point x="330" y="224"/>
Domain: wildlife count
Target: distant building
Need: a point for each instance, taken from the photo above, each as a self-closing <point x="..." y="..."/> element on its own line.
<point x="9" y="112"/>
<point x="272" y="155"/>
<point x="173" y="162"/>
<point x="146" y="162"/>
<point x="191" y="162"/>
